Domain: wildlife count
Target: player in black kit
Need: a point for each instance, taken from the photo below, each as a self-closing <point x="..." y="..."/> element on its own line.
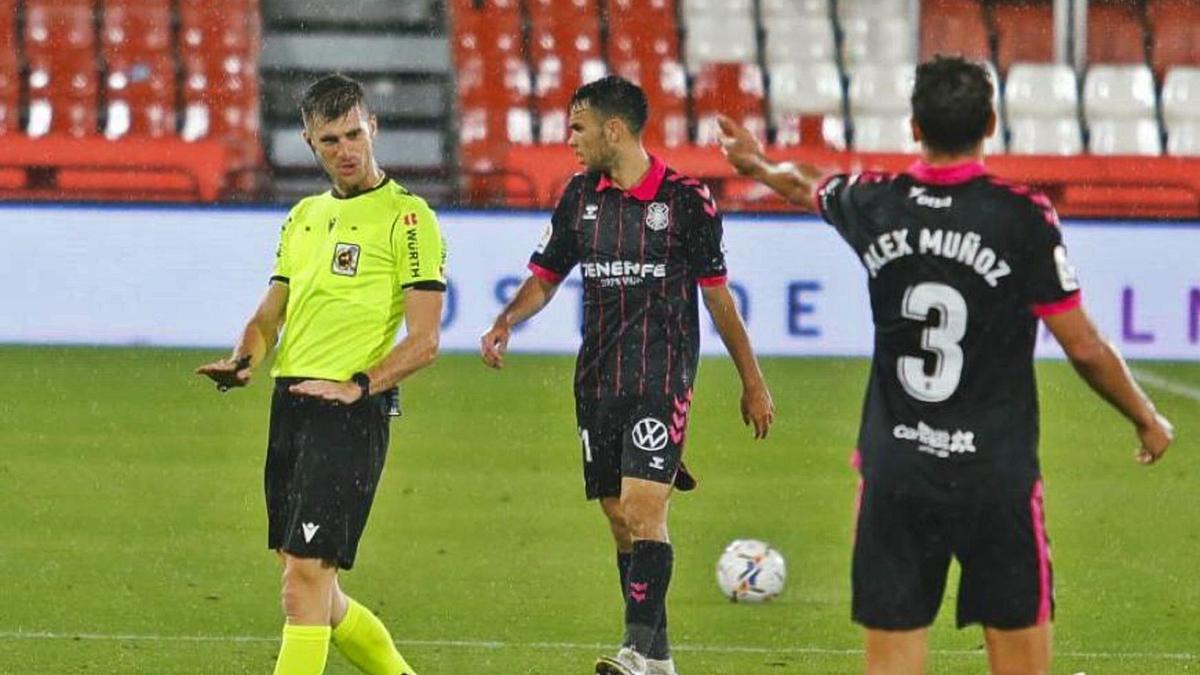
<point x="961" y="266"/>
<point x="644" y="237"/>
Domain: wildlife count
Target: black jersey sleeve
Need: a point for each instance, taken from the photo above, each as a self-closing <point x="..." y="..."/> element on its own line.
<point x="833" y="197"/>
<point x="703" y="237"/>
<point x="558" y="250"/>
<point x="1050" y="279"/>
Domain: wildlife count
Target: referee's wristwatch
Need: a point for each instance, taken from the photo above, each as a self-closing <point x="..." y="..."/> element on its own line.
<point x="364" y="384"/>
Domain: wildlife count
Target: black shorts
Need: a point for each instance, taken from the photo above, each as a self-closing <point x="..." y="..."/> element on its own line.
<point x="902" y="552"/>
<point x="324" y="461"/>
<point x="630" y="437"/>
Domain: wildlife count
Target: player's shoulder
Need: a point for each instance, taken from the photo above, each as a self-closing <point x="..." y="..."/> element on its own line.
<point x="1021" y="198"/>
<point x="398" y="196"/>
<point x="309" y="205"/>
<point x="689" y="191"/>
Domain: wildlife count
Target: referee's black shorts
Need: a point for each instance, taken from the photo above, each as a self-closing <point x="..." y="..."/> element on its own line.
<point x="324" y="461"/>
<point x="904" y="543"/>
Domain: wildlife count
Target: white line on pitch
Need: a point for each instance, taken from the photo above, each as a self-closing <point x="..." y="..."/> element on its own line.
<point x="496" y="644"/>
<point x="1166" y="384"/>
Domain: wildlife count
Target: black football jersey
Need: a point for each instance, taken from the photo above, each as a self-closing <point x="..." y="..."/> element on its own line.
<point x="960" y="266"/>
<point x="641" y="253"/>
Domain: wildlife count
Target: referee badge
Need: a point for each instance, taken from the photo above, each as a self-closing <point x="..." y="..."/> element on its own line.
<point x="345" y="259"/>
<point x="658" y="215"/>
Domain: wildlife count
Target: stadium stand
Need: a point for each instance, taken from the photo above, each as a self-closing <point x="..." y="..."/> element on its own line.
<point x="1181" y="110"/>
<point x="643" y="46"/>
<point x="565" y="51"/>
<point x="10" y="70"/>
<point x="1119" y="103"/>
<point x="1042" y="102"/>
<point x="735" y="89"/>
<point x="1175" y="30"/>
<point x="1116" y="33"/>
<point x="1024" y="32"/>
<point x="140" y="85"/>
<point x="954" y="27"/>
<point x="60" y="51"/>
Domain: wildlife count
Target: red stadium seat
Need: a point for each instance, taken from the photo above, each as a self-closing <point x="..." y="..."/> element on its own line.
<point x="10" y="73"/>
<point x="219" y="46"/>
<point x="140" y="86"/>
<point x="487" y="50"/>
<point x="1024" y="31"/>
<point x="59" y="47"/>
<point x="643" y="46"/>
<point x="493" y="8"/>
<point x="565" y="55"/>
<point x="953" y="27"/>
<point x="1175" y="39"/>
<point x="734" y="89"/>
<point x="1115" y="34"/>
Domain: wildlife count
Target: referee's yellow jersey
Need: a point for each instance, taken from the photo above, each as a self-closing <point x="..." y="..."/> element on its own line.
<point x="347" y="263"/>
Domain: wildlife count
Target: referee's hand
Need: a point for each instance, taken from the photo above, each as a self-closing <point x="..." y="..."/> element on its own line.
<point x="227" y="373"/>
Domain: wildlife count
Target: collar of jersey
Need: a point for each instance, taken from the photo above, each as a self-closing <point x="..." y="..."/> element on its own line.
<point x="647" y="188"/>
<point x="951" y="174"/>
<point x="386" y="179"/>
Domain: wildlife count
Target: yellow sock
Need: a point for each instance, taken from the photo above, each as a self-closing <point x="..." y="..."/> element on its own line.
<point x="303" y="651"/>
<point x="362" y="638"/>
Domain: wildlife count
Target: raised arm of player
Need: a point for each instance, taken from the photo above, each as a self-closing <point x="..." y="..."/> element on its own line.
<point x="1101" y="366"/>
<point x="534" y="294"/>
<point x="258" y="339"/>
<point x="418" y="349"/>
<point x="757" y="407"/>
<point x="793" y="182"/>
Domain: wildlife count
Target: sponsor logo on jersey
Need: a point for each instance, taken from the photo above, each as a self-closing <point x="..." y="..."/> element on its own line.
<point x="623" y="272"/>
<point x="545" y="240"/>
<point x="345" y="259"/>
<point x="590" y="210"/>
<point x="917" y="192"/>
<point x="1066" y="271"/>
<point x="310" y="531"/>
<point x="414" y="252"/>
<point x="937" y="442"/>
<point x="649" y="434"/>
<point x="658" y="215"/>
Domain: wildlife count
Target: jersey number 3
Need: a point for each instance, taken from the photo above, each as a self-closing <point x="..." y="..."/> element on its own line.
<point x="941" y="338"/>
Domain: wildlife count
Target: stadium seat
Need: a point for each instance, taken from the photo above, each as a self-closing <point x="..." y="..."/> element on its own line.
<point x="494" y="84"/>
<point x="565" y="52"/>
<point x="60" y="51"/>
<point x="853" y="9"/>
<point x="1183" y="138"/>
<point x="877" y="88"/>
<point x="10" y="72"/>
<point x="1118" y="91"/>
<point x="806" y="104"/>
<point x="717" y="40"/>
<point x="878" y="40"/>
<point x="1181" y="94"/>
<point x="734" y="89"/>
<point x="1045" y="136"/>
<point x="1041" y="90"/>
<point x="140" y="84"/>
<point x="1024" y="32"/>
<point x="884" y="133"/>
<point x="789" y="10"/>
<point x="307" y="13"/>
<point x="953" y="27"/>
<point x="799" y="40"/>
<point x="1175" y="33"/>
<point x="665" y="84"/>
<point x="731" y="9"/>
<point x="1115" y="33"/>
<point x="1124" y="137"/>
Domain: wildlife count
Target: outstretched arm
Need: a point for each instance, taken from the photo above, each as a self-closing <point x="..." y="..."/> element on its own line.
<point x="531" y="297"/>
<point x="258" y="339"/>
<point x="757" y="407"/>
<point x="418" y="349"/>
<point x="1102" y="367"/>
<point x="793" y="182"/>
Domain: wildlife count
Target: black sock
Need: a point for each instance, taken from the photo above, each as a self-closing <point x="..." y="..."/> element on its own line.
<point x="646" y="592"/>
<point x="660" y="649"/>
<point x="623" y="560"/>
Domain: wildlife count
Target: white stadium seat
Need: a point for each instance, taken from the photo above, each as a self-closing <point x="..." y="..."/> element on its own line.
<point x="850" y="9"/>
<point x="799" y="40"/>
<point x="1118" y="91"/>
<point x="884" y="133"/>
<point x="1045" y="136"/>
<point x="879" y="40"/>
<point x="717" y="8"/>
<point x="720" y="40"/>
<point x="787" y="10"/>
<point x="881" y="88"/>
<point x="1124" y="137"/>
<point x="1181" y="94"/>
<point x="1183" y="139"/>
<point x="1041" y="90"/>
<point x="808" y="88"/>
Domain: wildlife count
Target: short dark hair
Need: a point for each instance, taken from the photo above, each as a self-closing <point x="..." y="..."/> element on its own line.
<point x="951" y="103"/>
<point x="331" y="97"/>
<point x="615" y="96"/>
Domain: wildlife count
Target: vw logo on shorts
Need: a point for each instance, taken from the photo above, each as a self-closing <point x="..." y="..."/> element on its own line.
<point x="650" y="435"/>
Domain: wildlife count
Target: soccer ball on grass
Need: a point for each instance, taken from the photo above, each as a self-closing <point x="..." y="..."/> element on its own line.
<point x="750" y="570"/>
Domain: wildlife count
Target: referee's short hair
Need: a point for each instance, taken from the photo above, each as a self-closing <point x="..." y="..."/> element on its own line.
<point x="614" y="96"/>
<point x="331" y="97"/>
<point x="951" y="103"/>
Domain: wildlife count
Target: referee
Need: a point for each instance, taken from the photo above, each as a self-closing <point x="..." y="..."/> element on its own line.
<point x="352" y="262"/>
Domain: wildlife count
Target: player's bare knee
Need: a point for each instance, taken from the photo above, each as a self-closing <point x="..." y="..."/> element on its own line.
<point x="645" y="516"/>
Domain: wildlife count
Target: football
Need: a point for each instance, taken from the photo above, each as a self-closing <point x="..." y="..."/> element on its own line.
<point x="750" y="570"/>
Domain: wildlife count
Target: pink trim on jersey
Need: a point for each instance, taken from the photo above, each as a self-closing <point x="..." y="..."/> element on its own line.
<point x="1065" y="305"/>
<point x="646" y="189"/>
<point x="547" y="275"/>
<point x="856" y="460"/>
<point x="952" y="174"/>
<point x="1038" y="514"/>
<point x="816" y="192"/>
<point x="709" y="282"/>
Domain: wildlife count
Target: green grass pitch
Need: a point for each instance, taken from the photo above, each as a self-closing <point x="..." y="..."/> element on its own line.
<point x="132" y="527"/>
